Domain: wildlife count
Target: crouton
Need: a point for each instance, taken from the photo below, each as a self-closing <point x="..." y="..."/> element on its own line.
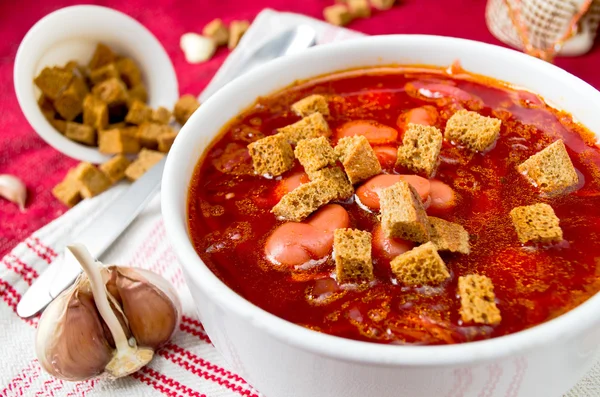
<point x="69" y="103"/>
<point x="145" y="160"/>
<point x="95" y="112"/>
<point x="352" y="254"/>
<point x="359" y="8"/>
<point x="311" y="104"/>
<point x="80" y="133"/>
<point x="104" y="73"/>
<point x="272" y="155"/>
<point x="420" y="149"/>
<point x="102" y="56"/>
<point x="92" y="180"/>
<point x="315" y="153"/>
<point x="53" y="81"/>
<point x="68" y="191"/>
<point x="236" y="31"/>
<point x="111" y="91"/>
<point x="165" y="141"/>
<point x="421" y="265"/>
<point x="358" y="158"/>
<point x="402" y="213"/>
<point x="477" y="300"/>
<point x="117" y="141"/>
<point x="148" y="134"/>
<point x="47" y="107"/>
<point x="217" y="31"/>
<point x="137" y="92"/>
<point x="536" y="223"/>
<point x="448" y="236"/>
<point x="312" y="126"/>
<point x="336" y="180"/>
<point x="472" y="130"/>
<point x="337" y="14"/>
<point x="114" y="168"/>
<point x="112" y="126"/>
<point x="138" y="113"/>
<point x="160" y="115"/>
<point x="382" y="5"/>
<point x="551" y="170"/>
<point x="185" y="107"/>
<point x="59" y="125"/>
<point x="129" y="72"/>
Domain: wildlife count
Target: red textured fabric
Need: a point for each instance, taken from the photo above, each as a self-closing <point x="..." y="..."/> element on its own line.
<point x="25" y="155"/>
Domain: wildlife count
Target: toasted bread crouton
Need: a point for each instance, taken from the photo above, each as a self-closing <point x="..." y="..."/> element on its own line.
<point x="111" y="91"/>
<point x="137" y="92"/>
<point x="138" y="113"/>
<point x="92" y="180"/>
<point x="536" y="223"/>
<point x="477" y="300"/>
<point x="421" y="265"/>
<point x="311" y="104"/>
<point x="59" y="125"/>
<point x="69" y="103"/>
<point x="359" y="8"/>
<point x="472" y="130"/>
<point x="402" y="213"/>
<point x="236" y="31"/>
<point x="161" y="115"/>
<point x="420" y="149"/>
<point x="53" y="81"/>
<point x="217" y="31"/>
<point x="551" y="170"/>
<point x="145" y="160"/>
<point x="80" y="133"/>
<point x="129" y="72"/>
<point x="337" y="14"/>
<point x="271" y="155"/>
<point x="352" y="254"/>
<point x="335" y="177"/>
<point x="148" y="134"/>
<point x="185" y="107"/>
<point x="448" y="236"/>
<point x="358" y="158"/>
<point x="102" y="56"/>
<point x="47" y="107"/>
<point x="118" y="141"/>
<point x="312" y="126"/>
<point x="382" y="5"/>
<point x="104" y="73"/>
<point x="68" y="191"/>
<point x="115" y="168"/>
<point x="95" y="112"/>
<point x="315" y="153"/>
<point x="165" y="141"/>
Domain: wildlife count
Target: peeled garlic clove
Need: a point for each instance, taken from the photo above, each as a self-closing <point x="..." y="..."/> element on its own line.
<point x="13" y="189"/>
<point x="150" y="304"/>
<point x="70" y="342"/>
<point x="197" y="48"/>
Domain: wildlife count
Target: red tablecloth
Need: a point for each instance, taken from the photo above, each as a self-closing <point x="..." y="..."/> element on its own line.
<point x="24" y="154"/>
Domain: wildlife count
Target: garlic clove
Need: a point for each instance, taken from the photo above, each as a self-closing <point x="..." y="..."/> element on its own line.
<point x="70" y="341"/>
<point x="197" y="48"/>
<point x="13" y="189"/>
<point x="150" y="305"/>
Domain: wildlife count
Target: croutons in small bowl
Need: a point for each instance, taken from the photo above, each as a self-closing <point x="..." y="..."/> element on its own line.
<point x="65" y="43"/>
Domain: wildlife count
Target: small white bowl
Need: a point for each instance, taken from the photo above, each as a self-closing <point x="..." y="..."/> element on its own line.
<point x="72" y="33"/>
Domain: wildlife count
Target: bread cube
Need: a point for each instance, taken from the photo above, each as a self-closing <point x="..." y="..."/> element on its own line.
<point x="477" y="300"/>
<point x="146" y="160"/>
<point x="114" y="168"/>
<point x="352" y="254"/>
<point x="95" y="112"/>
<point x="359" y="8"/>
<point x="53" y="81"/>
<point x="138" y="113"/>
<point x="315" y="153"/>
<point x="165" y="141"/>
<point x="104" y="73"/>
<point x="358" y="158"/>
<point x="111" y="91"/>
<point x="536" y="223"/>
<point x="448" y="236"/>
<point x="160" y="115"/>
<point x="68" y="190"/>
<point x="472" y="130"/>
<point x="551" y="170"/>
<point x="272" y="155"/>
<point x="311" y="104"/>
<point x="421" y="265"/>
<point x="118" y="141"/>
<point x="420" y="149"/>
<point x="102" y="57"/>
<point x="337" y="14"/>
<point x="402" y="213"/>
<point x="236" y="31"/>
<point x="137" y="92"/>
<point x="185" y="107"/>
<point x="382" y="5"/>
<point x="47" y="107"/>
<point x="312" y="126"/>
<point x="335" y="180"/>
<point x="92" y="180"/>
<point x="80" y="133"/>
<point x="129" y="72"/>
<point x="59" y="125"/>
<point x="217" y="31"/>
<point x="69" y="103"/>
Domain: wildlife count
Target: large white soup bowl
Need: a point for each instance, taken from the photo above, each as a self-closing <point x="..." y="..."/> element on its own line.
<point x="282" y="359"/>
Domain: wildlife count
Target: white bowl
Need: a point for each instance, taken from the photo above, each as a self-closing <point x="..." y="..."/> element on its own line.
<point x="282" y="359"/>
<point x="72" y="33"/>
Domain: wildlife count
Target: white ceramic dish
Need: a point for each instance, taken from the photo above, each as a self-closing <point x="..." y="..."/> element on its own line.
<point x="72" y="33"/>
<point x="285" y="360"/>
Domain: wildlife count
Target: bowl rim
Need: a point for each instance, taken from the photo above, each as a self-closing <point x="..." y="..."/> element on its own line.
<point x="23" y="83"/>
<point x="570" y="324"/>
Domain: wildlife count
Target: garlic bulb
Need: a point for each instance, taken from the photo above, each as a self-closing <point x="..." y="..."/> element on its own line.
<point x="108" y="323"/>
<point x="197" y="48"/>
<point x="13" y="189"/>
